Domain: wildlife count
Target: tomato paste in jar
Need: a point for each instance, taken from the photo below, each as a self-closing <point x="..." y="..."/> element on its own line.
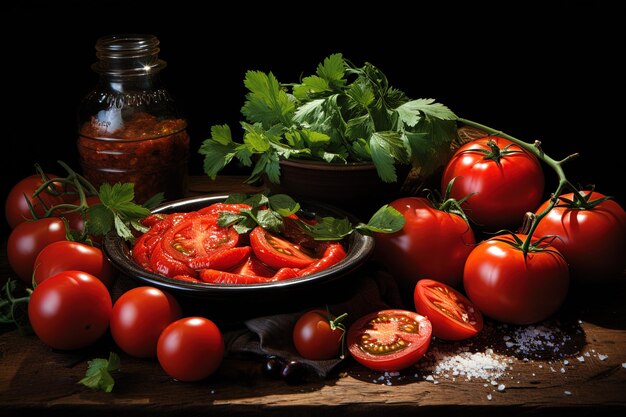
<point x="146" y="151"/>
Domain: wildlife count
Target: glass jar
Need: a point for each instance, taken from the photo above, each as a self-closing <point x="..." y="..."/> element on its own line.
<point x="130" y="129"/>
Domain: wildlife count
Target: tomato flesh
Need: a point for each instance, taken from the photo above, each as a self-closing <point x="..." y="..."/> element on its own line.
<point x="277" y="252"/>
<point x="452" y="315"/>
<point x="389" y="340"/>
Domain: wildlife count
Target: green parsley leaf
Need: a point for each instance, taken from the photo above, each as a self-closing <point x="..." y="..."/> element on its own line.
<point x="98" y="375"/>
<point x="333" y="70"/>
<point x="387" y="148"/>
<point x="283" y="204"/>
<point x="328" y="228"/>
<point x="99" y="220"/>
<point x="386" y="220"/>
<point x="154" y="201"/>
<point x="411" y="111"/>
<point x="266" y="103"/>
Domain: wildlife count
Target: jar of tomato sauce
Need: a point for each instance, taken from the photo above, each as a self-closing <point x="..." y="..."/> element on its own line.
<point x="130" y="128"/>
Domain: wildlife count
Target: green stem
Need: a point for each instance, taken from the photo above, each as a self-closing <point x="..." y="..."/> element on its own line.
<point x="535" y="149"/>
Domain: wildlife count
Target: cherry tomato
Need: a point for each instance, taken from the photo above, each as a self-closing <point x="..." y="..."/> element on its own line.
<point x="190" y="349"/>
<point x="505" y="186"/>
<point x="70" y="310"/>
<point x="314" y="338"/>
<point x="452" y="315"/>
<point x="389" y="340"/>
<point x="592" y="241"/>
<point x="28" y="239"/>
<point x="66" y="255"/>
<point x="512" y="288"/>
<point x="432" y="243"/>
<point x="277" y="252"/>
<point x="16" y="205"/>
<point x="138" y="318"/>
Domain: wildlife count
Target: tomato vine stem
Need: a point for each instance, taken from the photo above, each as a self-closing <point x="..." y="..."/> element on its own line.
<point x="535" y="149"/>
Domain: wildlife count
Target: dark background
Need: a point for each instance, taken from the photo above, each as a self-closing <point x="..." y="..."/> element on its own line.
<point x="556" y="75"/>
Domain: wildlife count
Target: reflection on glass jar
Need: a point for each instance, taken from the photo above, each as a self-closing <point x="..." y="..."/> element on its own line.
<point x="130" y="128"/>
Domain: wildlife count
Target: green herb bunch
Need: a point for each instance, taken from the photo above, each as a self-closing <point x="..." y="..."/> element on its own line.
<point x="341" y="114"/>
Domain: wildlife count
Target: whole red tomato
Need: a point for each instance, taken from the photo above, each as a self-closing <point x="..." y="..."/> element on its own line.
<point x="16" y="206"/>
<point x="432" y="244"/>
<point x="28" y="239"/>
<point x="506" y="181"/>
<point x="139" y="317"/>
<point x="512" y="288"/>
<point x="70" y="310"/>
<point x="593" y="240"/>
<point x="66" y="255"/>
<point x="190" y="349"/>
<point x="314" y="338"/>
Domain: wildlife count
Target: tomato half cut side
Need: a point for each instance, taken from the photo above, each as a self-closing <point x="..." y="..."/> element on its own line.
<point x="198" y="236"/>
<point x="389" y="340"/>
<point x="277" y="252"/>
<point x="453" y="316"/>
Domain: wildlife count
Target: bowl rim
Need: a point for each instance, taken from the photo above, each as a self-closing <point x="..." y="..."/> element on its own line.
<point x="360" y="249"/>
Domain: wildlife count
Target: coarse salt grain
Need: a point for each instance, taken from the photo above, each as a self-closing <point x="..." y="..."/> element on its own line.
<point x="581" y="358"/>
<point x="485" y="365"/>
<point x="567" y="392"/>
<point x="489" y="397"/>
<point x="501" y="387"/>
<point x="624" y="365"/>
<point x="602" y="357"/>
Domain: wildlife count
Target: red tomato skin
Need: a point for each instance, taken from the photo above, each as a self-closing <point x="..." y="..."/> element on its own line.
<point x="432" y="243"/>
<point x="27" y="240"/>
<point x="445" y="327"/>
<point x="66" y="255"/>
<point x="504" y="192"/>
<point x="190" y="349"/>
<point x="417" y="346"/>
<point x="70" y="310"/>
<point x="139" y="317"/>
<point x="511" y="289"/>
<point x="313" y="337"/>
<point x="264" y="246"/>
<point x="592" y="241"/>
<point x="16" y="208"/>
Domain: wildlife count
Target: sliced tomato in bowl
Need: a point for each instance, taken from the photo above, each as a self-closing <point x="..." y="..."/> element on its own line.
<point x="277" y="252"/>
<point x="389" y="340"/>
<point x="453" y="316"/>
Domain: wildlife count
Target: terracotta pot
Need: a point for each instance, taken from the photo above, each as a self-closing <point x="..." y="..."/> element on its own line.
<point x="353" y="187"/>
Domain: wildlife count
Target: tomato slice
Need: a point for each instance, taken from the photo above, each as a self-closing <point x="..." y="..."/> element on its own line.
<point x="198" y="236"/>
<point x="161" y="262"/>
<point x="217" y="208"/>
<point x="222" y="260"/>
<point x="252" y="266"/>
<point x="389" y="340"/>
<point x="333" y="254"/>
<point x="214" y="276"/>
<point x="277" y="252"/>
<point x="453" y="316"/>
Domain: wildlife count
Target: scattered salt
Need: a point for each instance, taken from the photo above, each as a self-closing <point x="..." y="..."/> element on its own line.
<point x="624" y="365"/>
<point x="565" y="362"/>
<point x="485" y="365"/>
<point x="581" y="358"/>
<point x="489" y="397"/>
<point x="562" y="370"/>
<point x="494" y="382"/>
<point x="430" y="378"/>
<point x="602" y="357"/>
<point x="501" y="387"/>
<point x="567" y="392"/>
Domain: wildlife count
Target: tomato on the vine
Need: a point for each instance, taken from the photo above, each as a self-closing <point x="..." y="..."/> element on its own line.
<point x="512" y="287"/>
<point x="190" y="349"/>
<point x="16" y="206"/>
<point x="139" y="317"/>
<point x="70" y="310"/>
<point x="28" y="239"/>
<point x="452" y="315"/>
<point x="317" y="335"/>
<point x="432" y="244"/>
<point x="66" y="255"/>
<point x="389" y="340"/>
<point x="592" y="240"/>
<point x="505" y="181"/>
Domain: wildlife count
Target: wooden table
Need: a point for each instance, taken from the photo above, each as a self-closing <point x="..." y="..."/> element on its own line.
<point x="35" y="378"/>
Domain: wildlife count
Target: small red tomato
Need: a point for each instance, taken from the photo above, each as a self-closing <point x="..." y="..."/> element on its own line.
<point x="317" y="336"/>
<point x="389" y="340"/>
<point x="70" y="310"/>
<point x="66" y="255"/>
<point x="452" y="315"/>
<point x="28" y="239"/>
<point x="139" y="317"/>
<point x="190" y="349"/>
<point x="16" y="205"/>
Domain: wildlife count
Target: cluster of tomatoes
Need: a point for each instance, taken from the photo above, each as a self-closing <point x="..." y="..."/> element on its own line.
<point x="70" y="306"/>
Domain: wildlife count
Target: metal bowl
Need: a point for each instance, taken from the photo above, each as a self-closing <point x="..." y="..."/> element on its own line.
<point x="290" y="294"/>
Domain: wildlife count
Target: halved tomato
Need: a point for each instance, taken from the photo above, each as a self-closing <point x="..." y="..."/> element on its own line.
<point x="277" y="252"/>
<point x="222" y="260"/>
<point x="453" y="316"/>
<point x="198" y="236"/>
<point x="389" y="340"/>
